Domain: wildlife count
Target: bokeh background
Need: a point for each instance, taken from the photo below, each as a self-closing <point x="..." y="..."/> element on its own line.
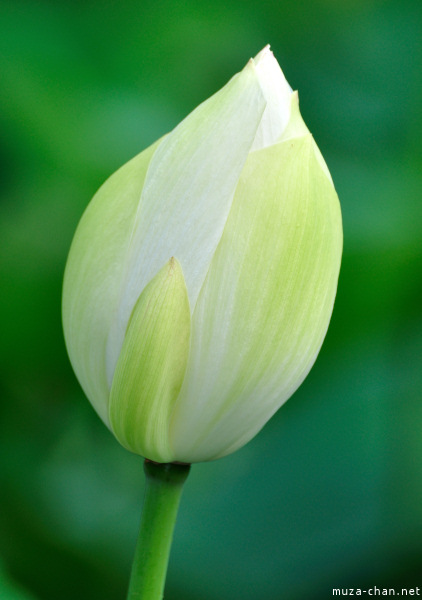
<point x="330" y="493"/>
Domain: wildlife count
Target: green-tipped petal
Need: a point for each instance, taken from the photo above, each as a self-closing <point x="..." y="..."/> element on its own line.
<point x="94" y="271"/>
<point x="151" y="366"/>
<point x="266" y="303"/>
<point x="188" y="193"/>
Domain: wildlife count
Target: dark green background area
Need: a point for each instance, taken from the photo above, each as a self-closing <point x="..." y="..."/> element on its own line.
<point x="329" y="494"/>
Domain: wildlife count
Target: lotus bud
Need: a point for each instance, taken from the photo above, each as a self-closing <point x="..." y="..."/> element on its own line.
<point x="202" y="276"/>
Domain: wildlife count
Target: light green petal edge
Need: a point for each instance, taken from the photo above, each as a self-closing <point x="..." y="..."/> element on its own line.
<point x="296" y="127"/>
<point x="188" y="193"/>
<point x="152" y="365"/>
<point x="266" y="303"/>
<point x="91" y="288"/>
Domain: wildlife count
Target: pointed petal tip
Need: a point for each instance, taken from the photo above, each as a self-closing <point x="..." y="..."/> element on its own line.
<point x="277" y="93"/>
<point x="174" y="267"/>
<point x="262" y="54"/>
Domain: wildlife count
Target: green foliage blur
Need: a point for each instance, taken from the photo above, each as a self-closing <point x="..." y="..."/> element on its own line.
<point x="329" y="494"/>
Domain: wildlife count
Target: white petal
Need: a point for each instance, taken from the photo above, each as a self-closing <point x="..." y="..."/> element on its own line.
<point x="277" y="93"/>
<point x="187" y="194"/>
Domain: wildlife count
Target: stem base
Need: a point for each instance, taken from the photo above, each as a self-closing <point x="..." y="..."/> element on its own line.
<point x="164" y="485"/>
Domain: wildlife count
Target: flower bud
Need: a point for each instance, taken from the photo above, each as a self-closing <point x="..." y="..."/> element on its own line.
<point x="202" y="276"/>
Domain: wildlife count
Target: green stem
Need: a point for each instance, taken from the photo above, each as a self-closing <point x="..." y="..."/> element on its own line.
<point x="164" y="484"/>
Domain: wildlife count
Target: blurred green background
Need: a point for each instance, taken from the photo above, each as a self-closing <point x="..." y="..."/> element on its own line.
<point x="330" y="493"/>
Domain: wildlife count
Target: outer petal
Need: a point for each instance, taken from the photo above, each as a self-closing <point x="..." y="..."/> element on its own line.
<point x="188" y="193"/>
<point x="151" y="366"/>
<point x="266" y="303"/>
<point x="92" y="282"/>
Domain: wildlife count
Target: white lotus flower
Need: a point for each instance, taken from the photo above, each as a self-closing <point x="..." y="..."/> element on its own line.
<point x="201" y="278"/>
